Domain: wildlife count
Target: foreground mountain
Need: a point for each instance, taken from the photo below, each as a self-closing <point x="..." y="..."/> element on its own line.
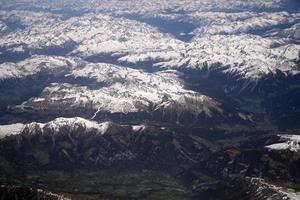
<point x="95" y="157"/>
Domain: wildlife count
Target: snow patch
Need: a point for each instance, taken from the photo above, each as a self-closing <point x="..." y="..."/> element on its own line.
<point x="291" y="143"/>
<point x="12" y="129"/>
<point x="139" y="128"/>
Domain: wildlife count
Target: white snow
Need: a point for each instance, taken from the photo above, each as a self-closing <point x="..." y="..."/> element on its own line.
<point x="291" y="143"/>
<point x="251" y="58"/>
<point x="222" y="23"/>
<point x="138" y="128"/>
<point x="55" y="126"/>
<point x="222" y="39"/>
<point x="126" y="90"/>
<point x="35" y="64"/>
<point x="291" y="32"/>
<point x="58" y="124"/>
<point x="11" y="129"/>
<point x="73" y="123"/>
<point x="152" y="8"/>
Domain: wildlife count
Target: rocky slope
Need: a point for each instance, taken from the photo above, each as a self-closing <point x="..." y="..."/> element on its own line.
<point x="194" y="161"/>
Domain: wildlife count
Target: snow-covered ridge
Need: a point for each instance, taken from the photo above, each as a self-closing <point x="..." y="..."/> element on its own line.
<point x="72" y="123"/>
<point x="55" y="126"/>
<point x="93" y="32"/>
<point x="11" y="129"/>
<point x="61" y="124"/>
<point x="138" y="128"/>
<point x="146" y="7"/>
<point x="34" y="65"/>
<point x="290" y="142"/>
<point x="251" y="59"/>
<point x="292" y="32"/>
<point x="217" y="41"/>
<point x="126" y="91"/>
<point x="222" y="23"/>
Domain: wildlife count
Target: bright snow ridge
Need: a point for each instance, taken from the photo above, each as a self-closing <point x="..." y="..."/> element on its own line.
<point x="12" y="129"/>
<point x="34" y="65"/>
<point x="125" y="90"/>
<point x="217" y="42"/>
<point x="291" y="143"/>
<point x="55" y="126"/>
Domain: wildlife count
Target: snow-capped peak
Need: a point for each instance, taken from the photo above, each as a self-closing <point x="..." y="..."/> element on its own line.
<point x="55" y="126"/>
